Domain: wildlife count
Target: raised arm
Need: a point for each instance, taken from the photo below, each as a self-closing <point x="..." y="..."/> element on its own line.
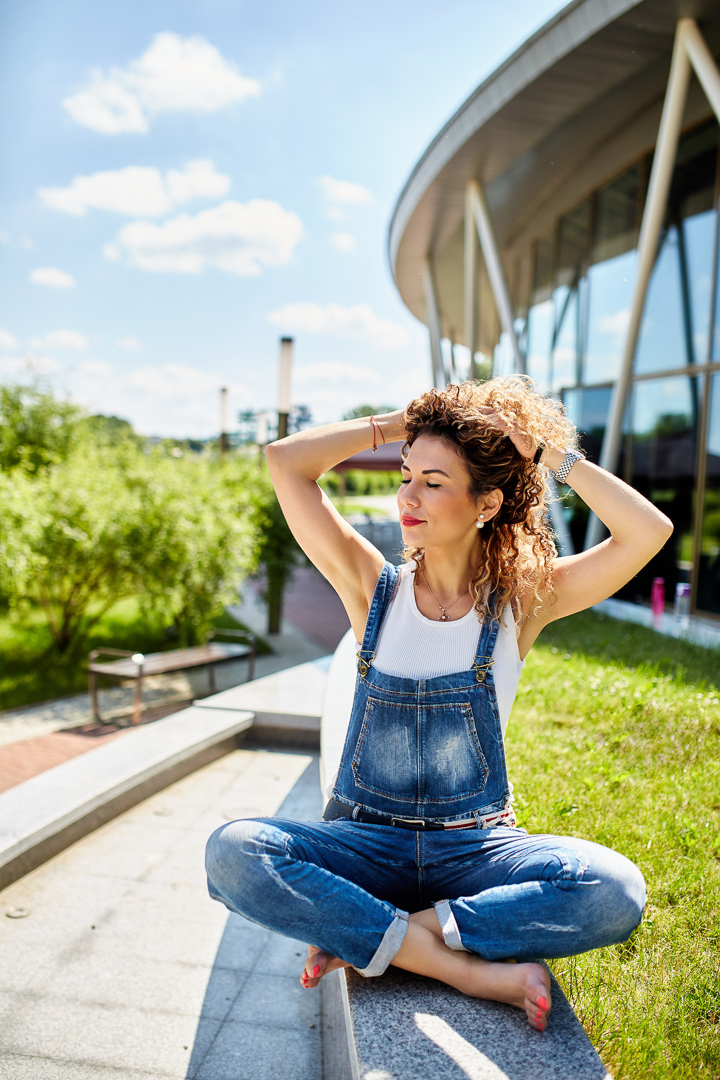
<point x="349" y="562"/>
<point x="638" y="531"/>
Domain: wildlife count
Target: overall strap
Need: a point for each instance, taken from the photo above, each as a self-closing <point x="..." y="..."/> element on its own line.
<point x="486" y="644"/>
<point x="385" y="588"/>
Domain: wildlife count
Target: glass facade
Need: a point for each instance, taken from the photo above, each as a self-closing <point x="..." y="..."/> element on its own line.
<point x="572" y="334"/>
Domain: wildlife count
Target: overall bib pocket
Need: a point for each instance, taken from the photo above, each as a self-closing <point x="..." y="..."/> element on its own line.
<point x="407" y="752"/>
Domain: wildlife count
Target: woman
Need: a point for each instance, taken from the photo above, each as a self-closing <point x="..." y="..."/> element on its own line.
<point x="418" y="862"/>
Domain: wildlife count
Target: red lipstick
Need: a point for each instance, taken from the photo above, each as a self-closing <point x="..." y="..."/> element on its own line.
<point x="410" y="521"/>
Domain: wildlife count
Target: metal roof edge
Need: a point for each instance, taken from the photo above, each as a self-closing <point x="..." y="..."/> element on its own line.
<point x="598" y="13"/>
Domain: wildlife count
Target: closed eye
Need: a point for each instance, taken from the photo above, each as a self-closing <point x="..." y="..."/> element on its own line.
<point x="408" y="479"/>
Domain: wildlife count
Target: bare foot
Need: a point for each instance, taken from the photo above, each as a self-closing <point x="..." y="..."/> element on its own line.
<point x="527" y="986"/>
<point x="319" y="963"/>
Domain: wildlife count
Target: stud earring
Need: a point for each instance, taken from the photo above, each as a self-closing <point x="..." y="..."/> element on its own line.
<point x="479" y="524"/>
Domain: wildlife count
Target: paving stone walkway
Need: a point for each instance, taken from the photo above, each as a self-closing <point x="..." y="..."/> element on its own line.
<point x="124" y="969"/>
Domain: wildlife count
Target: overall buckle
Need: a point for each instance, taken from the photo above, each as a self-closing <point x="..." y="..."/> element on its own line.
<point x="362" y="663"/>
<point x="481" y="669"/>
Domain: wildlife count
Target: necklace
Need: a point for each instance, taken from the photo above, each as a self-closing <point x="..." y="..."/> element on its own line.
<point x="443" y="617"/>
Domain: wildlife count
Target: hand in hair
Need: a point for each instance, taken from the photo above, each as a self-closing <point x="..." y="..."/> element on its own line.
<point x="525" y="444"/>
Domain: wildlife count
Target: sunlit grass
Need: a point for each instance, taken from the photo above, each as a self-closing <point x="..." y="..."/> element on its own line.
<point x="615" y="737"/>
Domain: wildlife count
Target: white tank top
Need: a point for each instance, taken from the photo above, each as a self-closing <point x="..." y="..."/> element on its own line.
<point x="412" y="646"/>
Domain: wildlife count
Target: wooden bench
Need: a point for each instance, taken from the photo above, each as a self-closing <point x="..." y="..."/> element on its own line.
<point x="139" y="665"/>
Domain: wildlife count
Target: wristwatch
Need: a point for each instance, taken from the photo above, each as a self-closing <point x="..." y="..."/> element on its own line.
<point x="571" y="456"/>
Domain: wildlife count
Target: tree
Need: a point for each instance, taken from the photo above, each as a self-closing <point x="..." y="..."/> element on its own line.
<point x="278" y="551"/>
<point x="113" y="521"/>
<point x="36" y="428"/>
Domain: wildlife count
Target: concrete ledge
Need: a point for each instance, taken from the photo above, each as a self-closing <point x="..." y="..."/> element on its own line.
<point x="699" y="631"/>
<point x="44" y="815"/>
<point x="287" y="705"/>
<point x="401" y="1027"/>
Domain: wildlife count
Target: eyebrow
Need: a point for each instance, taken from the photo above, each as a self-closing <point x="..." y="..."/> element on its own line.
<point x="426" y="472"/>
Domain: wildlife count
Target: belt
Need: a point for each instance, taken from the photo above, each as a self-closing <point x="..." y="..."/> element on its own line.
<point x="335" y="809"/>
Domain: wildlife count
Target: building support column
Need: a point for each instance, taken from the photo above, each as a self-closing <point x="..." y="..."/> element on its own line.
<point x="470" y="282"/>
<point x="653" y="214"/>
<point x="433" y="324"/>
<point x="475" y="199"/>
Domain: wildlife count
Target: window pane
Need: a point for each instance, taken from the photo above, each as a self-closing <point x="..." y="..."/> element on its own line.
<point x="610" y="287"/>
<point x="617" y="207"/>
<point x="588" y="410"/>
<point x="539" y="336"/>
<point x="661" y="344"/>
<point x="708" y="594"/>
<point x="699" y="231"/>
<point x="664" y="418"/>
<point x="564" y="353"/>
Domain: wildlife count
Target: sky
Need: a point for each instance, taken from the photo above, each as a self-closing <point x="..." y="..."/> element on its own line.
<point x="184" y="183"/>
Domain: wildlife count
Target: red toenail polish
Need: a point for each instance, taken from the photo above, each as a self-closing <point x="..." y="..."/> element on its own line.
<point x="542" y="1002"/>
<point x="316" y="971"/>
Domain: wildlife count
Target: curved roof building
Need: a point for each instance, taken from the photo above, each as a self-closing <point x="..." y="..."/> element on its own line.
<point x="564" y="223"/>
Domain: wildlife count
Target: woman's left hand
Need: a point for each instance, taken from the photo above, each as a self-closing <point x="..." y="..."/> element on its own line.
<point x="525" y="445"/>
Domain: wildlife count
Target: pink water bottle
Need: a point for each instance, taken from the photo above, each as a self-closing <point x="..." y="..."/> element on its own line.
<point x="657" y="601"/>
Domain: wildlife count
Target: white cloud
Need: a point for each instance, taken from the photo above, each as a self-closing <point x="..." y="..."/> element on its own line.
<point x="358" y="321"/>
<point x="60" y="339"/>
<point x="335" y="213"/>
<point x="24" y="242"/>
<point x="240" y="238"/>
<point x="8" y="340"/>
<point x="129" y="343"/>
<point x="344" y="192"/>
<point x="174" y="74"/>
<point x="616" y="324"/>
<point x="111" y="253"/>
<point x="95" y="367"/>
<point x="343" y="241"/>
<point x="137" y="190"/>
<point x="171" y="400"/>
<point x="52" y="277"/>
<point x="30" y="366"/>
<point x="329" y="371"/>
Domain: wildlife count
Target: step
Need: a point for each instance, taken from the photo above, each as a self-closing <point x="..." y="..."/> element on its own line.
<point x="287" y="705"/>
<point x="46" y="814"/>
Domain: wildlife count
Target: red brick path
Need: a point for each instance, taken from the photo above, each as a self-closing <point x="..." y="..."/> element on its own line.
<point x="310" y="606"/>
<point x="313" y="607"/>
<point x="22" y="760"/>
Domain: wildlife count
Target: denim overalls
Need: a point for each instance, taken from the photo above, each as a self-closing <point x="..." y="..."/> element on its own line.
<point x="430" y="749"/>
<point x="427" y="749"/>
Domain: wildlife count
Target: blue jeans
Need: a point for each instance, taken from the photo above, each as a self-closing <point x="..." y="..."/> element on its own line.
<point x="347" y="887"/>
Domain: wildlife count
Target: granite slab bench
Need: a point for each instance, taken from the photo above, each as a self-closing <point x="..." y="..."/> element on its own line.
<point x="406" y="1027"/>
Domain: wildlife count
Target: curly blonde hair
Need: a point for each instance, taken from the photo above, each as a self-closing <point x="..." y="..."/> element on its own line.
<point x="516" y="550"/>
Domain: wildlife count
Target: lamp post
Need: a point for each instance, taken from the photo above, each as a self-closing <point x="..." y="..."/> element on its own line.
<point x="223" y="420"/>
<point x="284" y="402"/>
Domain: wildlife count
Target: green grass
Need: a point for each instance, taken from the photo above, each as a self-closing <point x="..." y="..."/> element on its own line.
<point x="615" y="737"/>
<point x="32" y="671"/>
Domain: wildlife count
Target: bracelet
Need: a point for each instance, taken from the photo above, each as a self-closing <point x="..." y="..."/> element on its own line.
<point x="571" y="456"/>
<point x="375" y="426"/>
<point x="538" y="453"/>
